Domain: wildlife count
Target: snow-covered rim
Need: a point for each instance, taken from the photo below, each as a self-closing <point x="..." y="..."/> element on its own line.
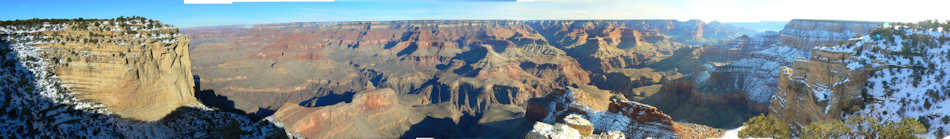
<point x="47" y="84"/>
<point x="889" y="108"/>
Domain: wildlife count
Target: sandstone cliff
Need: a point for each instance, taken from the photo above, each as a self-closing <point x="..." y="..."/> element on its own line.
<point x="378" y="113"/>
<point x="756" y="60"/>
<point x="138" y="69"/>
<point x="469" y="64"/>
<point x="628" y="119"/>
<point x="105" y="78"/>
<point x="820" y="87"/>
<point x="805" y="34"/>
<point x="474" y="76"/>
<point x="890" y="73"/>
<point x="371" y="114"/>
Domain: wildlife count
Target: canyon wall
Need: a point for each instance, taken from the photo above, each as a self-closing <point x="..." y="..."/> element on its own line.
<point x="804" y="34"/>
<point x="371" y="114"/>
<point x="622" y="118"/>
<point x="135" y="69"/>
<point x="891" y="73"/>
<point x="468" y="63"/>
<point x="106" y="78"/>
<point x="470" y="78"/>
<point x="756" y="61"/>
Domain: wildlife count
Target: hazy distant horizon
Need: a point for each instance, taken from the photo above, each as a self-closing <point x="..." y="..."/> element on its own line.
<point x="177" y="13"/>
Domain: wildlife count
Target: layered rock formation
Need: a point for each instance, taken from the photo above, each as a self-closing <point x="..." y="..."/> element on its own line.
<point x="436" y="62"/>
<point x="481" y="70"/>
<point x="756" y="61"/>
<point x="469" y="64"/>
<point x="371" y="114"/>
<point x="105" y="78"/>
<point x="575" y="126"/>
<point x="632" y="119"/>
<point x="138" y="69"/>
<point x="804" y="34"/>
<point x="809" y="83"/>
<point x="817" y="70"/>
<point x="889" y="74"/>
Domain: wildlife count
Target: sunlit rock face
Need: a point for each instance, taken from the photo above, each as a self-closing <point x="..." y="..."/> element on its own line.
<point x="470" y="64"/>
<point x="371" y="114"/>
<point x="629" y="118"/>
<point x="106" y="78"/>
<point x="759" y="58"/>
<point x="137" y="69"/>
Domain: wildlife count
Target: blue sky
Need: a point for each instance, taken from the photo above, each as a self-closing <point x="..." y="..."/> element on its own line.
<point x="177" y="13"/>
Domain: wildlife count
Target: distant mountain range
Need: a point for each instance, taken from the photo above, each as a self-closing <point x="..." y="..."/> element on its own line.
<point x="760" y="26"/>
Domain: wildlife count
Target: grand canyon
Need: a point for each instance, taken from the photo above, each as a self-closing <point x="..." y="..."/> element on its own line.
<point x="137" y="77"/>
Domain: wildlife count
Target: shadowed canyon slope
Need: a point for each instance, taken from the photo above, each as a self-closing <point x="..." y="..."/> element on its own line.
<point x="135" y="77"/>
<point x="717" y="74"/>
<point x="467" y="63"/>
<point x="474" y="71"/>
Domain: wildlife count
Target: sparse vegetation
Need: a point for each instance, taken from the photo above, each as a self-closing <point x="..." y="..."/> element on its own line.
<point x="83" y="23"/>
<point x="39" y="21"/>
<point x="765" y="126"/>
<point x="905" y="129"/>
<point x="853" y="127"/>
<point x="825" y="129"/>
<point x="861" y="129"/>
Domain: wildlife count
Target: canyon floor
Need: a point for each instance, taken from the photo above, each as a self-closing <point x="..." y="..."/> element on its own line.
<point x="135" y="77"/>
<point x="468" y="73"/>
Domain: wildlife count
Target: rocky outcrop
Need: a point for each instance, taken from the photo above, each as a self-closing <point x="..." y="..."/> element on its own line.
<point x="468" y="67"/>
<point x="105" y="78"/>
<point x="755" y="64"/>
<point x="469" y="64"/>
<point x="804" y="34"/>
<point x="893" y="72"/>
<point x="632" y="119"/>
<point x="756" y="60"/>
<point x="138" y="69"/>
<point x="819" y="88"/>
<point x="570" y="130"/>
<point x="371" y="114"/>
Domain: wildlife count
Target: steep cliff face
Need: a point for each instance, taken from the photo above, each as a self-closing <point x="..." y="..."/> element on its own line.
<point x="804" y="34"/>
<point x="481" y="73"/>
<point x="102" y="78"/>
<point x="888" y="74"/>
<point x="819" y="88"/>
<point x="135" y="71"/>
<point x="469" y="64"/>
<point x="757" y="60"/>
<point x="466" y="63"/>
<point x="371" y="114"/>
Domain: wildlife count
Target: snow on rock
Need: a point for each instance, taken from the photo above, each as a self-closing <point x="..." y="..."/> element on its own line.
<point x="632" y="119"/>
<point x="36" y="104"/>
<point x="759" y="64"/>
<point x="760" y="70"/>
<point x="732" y="133"/>
<point x="908" y="75"/>
<point x="557" y="131"/>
